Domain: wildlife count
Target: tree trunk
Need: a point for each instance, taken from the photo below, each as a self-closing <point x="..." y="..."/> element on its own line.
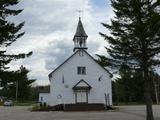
<point x="147" y="95"/>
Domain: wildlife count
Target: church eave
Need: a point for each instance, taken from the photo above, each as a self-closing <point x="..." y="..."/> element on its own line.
<point x="79" y="37"/>
<point x="79" y="48"/>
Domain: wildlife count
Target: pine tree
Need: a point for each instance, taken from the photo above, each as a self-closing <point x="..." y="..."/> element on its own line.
<point x="129" y="86"/>
<point x="135" y="39"/>
<point x="23" y="84"/>
<point x="9" y="33"/>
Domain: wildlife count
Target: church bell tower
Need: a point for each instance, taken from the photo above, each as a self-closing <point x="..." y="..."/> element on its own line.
<point x="80" y="37"/>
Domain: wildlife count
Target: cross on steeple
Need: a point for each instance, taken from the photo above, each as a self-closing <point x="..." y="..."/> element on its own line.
<point x="80" y="12"/>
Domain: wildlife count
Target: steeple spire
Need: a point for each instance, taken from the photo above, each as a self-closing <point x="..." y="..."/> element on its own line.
<point x="80" y="37"/>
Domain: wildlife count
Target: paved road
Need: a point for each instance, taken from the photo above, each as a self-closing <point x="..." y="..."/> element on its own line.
<point x="125" y="113"/>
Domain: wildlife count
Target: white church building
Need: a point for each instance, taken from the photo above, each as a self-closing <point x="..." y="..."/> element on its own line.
<point x="79" y="82"/>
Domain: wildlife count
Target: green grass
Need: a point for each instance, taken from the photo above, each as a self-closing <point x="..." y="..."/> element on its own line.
<point x="24" y="103"/>
<point x="130" y="103"/>
<point x="35" y="107"/>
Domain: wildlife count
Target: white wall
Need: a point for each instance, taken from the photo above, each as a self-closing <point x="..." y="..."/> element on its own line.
<point x="46" y="98"/>
<point x="68" y="71"/>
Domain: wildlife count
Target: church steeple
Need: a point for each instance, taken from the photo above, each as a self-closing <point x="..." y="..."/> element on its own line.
<point x="80" y="37"/>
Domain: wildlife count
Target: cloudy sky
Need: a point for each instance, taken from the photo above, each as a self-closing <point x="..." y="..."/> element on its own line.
<point x="50" y="26"/>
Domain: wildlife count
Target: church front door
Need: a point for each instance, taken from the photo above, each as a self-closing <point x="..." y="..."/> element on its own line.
<point x="81" y="96"/>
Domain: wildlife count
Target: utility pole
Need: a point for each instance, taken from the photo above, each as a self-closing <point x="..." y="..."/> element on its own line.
<point x="156" y="89"/>
<point x="16" y="90"/>
<point x="17" y="85"/>
<point x="156" y="94"/>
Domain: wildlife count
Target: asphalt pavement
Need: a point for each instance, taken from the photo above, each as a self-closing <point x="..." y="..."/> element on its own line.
<point x="124" y="113"/>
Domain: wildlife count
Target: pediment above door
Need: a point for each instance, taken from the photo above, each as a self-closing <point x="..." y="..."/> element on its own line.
<point x="82" y="85"/>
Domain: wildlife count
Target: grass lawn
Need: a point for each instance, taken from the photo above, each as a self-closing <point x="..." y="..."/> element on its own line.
<point x="24" y="103"/>
<point x="132" y="104"/>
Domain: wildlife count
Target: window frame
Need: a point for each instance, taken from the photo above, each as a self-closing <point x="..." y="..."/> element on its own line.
<point x="81" y="70"/>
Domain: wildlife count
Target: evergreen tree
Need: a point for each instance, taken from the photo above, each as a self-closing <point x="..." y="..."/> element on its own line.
<point x="9" y="33"/>
<point x="20" y="88"/>
<point x="23" y="84"/>
<point x="135" y="39"/>
<point x="129" y="87"/>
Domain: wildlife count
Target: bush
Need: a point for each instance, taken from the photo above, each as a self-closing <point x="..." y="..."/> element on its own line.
<point x="35" y="107"/>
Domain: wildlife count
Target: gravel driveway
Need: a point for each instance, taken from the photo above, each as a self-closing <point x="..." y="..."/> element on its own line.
<point x="125" y="113"/>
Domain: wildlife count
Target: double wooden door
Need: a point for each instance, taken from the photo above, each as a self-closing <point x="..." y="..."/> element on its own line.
<point x="81" y="97"/>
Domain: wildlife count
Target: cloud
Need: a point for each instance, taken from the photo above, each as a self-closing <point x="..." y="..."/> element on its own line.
<point x="50" y="26"/>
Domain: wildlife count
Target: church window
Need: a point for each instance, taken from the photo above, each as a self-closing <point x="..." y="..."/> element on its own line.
<point x="41" y="98"/>
<point x="81" y="70"/>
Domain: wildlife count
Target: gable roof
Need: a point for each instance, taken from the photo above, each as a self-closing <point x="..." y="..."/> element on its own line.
<point x="99" y="64"/>
<point x="50" y="75"/>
